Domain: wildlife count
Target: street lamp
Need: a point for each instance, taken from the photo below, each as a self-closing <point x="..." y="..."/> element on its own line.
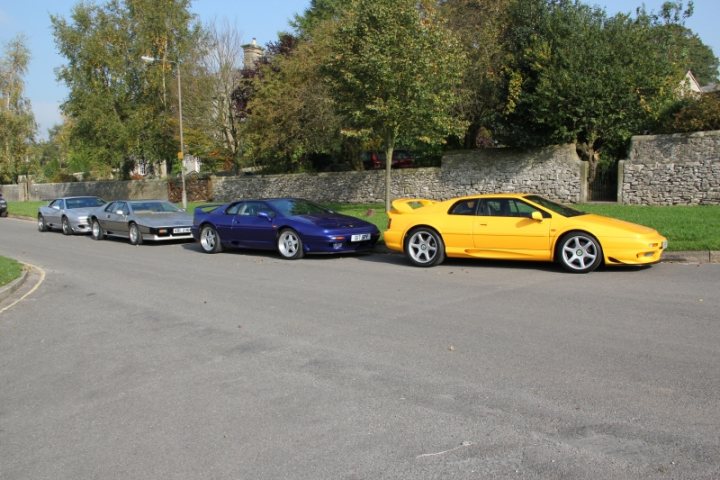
<point x="181" y="153"/>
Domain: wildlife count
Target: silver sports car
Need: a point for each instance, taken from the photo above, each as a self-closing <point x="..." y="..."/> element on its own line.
<point x="69" y="214"/>
<point x="140" y="220"/>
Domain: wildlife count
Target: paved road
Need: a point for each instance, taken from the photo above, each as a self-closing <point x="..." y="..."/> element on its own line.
<point x="161" y="362"/>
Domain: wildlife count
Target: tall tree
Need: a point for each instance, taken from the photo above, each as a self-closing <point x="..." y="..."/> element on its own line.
<point x="291" y="114"/>
<point x="396" y="71"/>
<point x="479" y="24"/>
<point x="17" y="124"/>
<point x="123" y="111"/>
<point x="576" y="76"/>
<point x="212" y="126"/>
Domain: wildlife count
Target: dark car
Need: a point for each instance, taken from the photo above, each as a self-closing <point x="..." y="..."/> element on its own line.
<point x="291" y="226"/>
<point x="376" y="160"/>
<point x="3" y="207"/>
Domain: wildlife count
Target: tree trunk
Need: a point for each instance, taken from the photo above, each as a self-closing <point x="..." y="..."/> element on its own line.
<point x="389" y="149"/>
<point x="586" y="151"/>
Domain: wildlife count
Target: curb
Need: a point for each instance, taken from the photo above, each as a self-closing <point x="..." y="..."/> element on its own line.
<point x="12" y="287"/>
<point x="700" y="256"/>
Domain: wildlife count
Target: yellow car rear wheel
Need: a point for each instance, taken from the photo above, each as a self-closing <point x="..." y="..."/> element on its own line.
<point x="424" y="247"/>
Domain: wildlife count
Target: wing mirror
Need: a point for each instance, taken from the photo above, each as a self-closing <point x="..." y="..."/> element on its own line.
<point x="535" y="215"/>
<point x="265" y="214"/>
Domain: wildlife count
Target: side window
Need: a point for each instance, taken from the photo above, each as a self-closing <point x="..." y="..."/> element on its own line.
<point x="495" y="207"/>
<point x="235" y="209"/>
<point x="464" y="207"/>
<point x="111" y="207"/>
<point x="121" y="206"/>
<point x="520" y="209"/>
<point x="56" y="204"/>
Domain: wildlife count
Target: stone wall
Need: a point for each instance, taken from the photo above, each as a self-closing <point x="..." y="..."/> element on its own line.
<point x="678" y="169"/>
<point x="556" y="172"/>
<point x="109" y="190"/>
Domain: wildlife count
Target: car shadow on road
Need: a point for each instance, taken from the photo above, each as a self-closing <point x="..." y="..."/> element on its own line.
<point x="385" y="256"/>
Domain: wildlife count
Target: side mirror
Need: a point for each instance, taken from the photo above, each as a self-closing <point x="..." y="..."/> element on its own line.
<point x="265" y="214"/>
<point x="120" y="212"/>
<point x="535" y="215"/>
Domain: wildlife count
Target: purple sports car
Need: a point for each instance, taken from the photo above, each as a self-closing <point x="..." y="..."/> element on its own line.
<point x="291" y="226"/>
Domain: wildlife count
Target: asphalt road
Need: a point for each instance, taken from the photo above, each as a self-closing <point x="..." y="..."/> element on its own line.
<point x="162" y="362"/>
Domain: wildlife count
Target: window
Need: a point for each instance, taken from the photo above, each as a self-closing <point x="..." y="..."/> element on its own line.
<point x="235" y="208"/>
<point x="464" y="207"/>
<point x="506" y="207"/>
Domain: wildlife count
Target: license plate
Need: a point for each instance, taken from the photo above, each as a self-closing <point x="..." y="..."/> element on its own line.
<point x="360" y="237"/>
<point x="181" y="230"/>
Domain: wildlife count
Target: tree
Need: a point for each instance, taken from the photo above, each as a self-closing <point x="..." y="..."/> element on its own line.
<point x="291" y="113"/>
<point x="396" y="72"/>
<point x="17" y="124"/>
<point x="479" y="24"/>
<point x="576" y="76"/>
<point x="120" y="108"/>
<point x="212" y="126"/>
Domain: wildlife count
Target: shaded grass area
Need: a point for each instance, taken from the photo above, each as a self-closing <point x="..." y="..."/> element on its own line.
<point x="9" y="270"/>
<point x="686" y="227"/>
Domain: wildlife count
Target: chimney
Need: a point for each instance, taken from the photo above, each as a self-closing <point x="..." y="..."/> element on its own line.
<point x="252" y="54"/>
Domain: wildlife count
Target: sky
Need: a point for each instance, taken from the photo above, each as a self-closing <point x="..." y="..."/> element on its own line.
<point x="254" y="19"/>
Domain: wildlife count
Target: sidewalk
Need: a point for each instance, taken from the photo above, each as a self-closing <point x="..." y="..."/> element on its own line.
<point x="700" y="256"/>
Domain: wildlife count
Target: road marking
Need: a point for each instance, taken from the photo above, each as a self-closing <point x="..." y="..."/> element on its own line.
<point x="32" y="290"/>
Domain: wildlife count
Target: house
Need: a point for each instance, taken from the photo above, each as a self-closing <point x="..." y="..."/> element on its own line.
<point x="689" y="86"/>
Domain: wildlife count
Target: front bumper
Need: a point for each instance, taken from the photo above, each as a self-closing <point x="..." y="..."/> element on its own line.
<point x="644" y="250"/>
<point x="340" y="243"/>
<point x="165" y="234"/>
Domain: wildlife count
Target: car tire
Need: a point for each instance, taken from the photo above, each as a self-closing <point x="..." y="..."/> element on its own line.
<point x="42" y="226"/>
<point x="4" y="213"/>
<point x="210" y="240"/>
<point x="134" y="234"/>
<point x="65" y="223"/>
<point x="96" y="230"/>
<point x="424" y="247"/>
<point x="290" y="245"/>
<point x="579" y="252"/>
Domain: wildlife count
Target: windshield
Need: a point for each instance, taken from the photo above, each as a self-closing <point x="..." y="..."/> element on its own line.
<point x="154" y="207"/>
<point x="554" y="207"/>
<point x="84" y="202"/>
<point x="291" y="206"/>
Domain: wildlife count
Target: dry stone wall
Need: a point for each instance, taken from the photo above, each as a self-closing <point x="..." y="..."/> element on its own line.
<point x="555" y="172"/>
<point x="678" y="169"/>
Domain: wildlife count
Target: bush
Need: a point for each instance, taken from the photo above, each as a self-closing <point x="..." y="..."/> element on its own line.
<point x="693" y="115"/>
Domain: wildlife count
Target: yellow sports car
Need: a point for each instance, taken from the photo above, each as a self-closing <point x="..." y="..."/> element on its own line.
<point x="516" y="227"/>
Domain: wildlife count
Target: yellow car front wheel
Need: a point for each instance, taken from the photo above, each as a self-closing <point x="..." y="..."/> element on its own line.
<point x="579" y="252"/>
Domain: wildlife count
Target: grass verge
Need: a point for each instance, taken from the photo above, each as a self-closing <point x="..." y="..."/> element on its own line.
<point x="9" y="270"/>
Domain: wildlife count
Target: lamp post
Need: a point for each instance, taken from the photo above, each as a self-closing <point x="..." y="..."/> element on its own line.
<point x="181" y="152"/>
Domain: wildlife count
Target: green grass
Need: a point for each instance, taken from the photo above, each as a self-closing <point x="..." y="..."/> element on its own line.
<point x="24" y="209"/>
<point x="9" y="270"/>
<point x="686" y="227"/>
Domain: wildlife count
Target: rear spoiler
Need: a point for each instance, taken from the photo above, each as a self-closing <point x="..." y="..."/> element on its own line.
<point x="407" y="205"/>
<point x="208" y="207"/>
